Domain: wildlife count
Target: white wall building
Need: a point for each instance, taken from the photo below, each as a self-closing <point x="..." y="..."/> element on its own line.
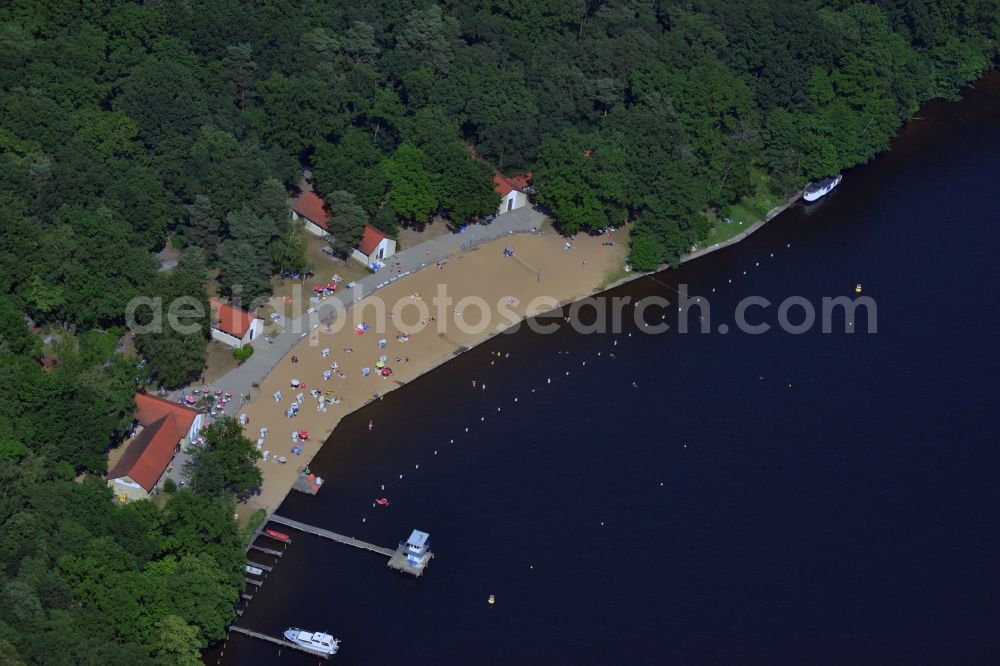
<point x="233" y="326"/>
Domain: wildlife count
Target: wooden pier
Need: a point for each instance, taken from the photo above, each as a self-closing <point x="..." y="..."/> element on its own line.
<point x="400" y="562"/>
<point x="267" y="551"/>
<point x="258" y="583"/>
<point x="333" y="536"/>
<point x="259" y="566"/>
<point x="278" y="641"/>
<point x="398" y="559"/>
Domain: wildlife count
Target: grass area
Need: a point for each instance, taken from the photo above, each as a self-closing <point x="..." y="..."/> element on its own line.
<point x="746" y="212"/>
<point x="219" y="361"/>
<point x="613" y="276"/>
<point x="324" y="267"/>
<point x="410" y="236"/>
<point x="250" y="525"/>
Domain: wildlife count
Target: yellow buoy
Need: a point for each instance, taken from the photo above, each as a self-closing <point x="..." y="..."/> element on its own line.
<point x="492" y="600"/>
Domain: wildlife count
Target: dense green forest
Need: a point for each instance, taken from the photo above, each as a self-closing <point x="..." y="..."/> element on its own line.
<point x="126" y="126"/>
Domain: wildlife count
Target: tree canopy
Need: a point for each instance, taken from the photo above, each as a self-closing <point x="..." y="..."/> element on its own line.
<point x="133" y="128"/>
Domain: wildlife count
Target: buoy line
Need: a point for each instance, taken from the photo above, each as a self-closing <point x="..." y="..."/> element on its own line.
<point x="549" y="380"/>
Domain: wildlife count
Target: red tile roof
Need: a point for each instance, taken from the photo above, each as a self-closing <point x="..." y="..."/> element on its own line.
<point x="370" y="240"/>
<point x="504" y="184"/>
<point x="164" y="425"/>
<point x="311" y="207"/>
<point x="229" y="319"/>
<point x="153" y="408"/>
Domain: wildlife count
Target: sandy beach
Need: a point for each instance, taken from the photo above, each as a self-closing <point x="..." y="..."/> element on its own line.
<point x="423" y="321"/>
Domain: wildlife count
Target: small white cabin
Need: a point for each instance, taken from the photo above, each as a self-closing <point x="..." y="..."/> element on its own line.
<point x="417" y="546"/>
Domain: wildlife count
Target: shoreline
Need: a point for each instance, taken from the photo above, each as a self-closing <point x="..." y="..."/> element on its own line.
<point x="697" y="254"/>
<point x="279" y="479"/>
<point x="561" y="277"/>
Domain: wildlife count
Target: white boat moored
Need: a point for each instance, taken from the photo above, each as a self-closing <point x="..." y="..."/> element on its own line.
<point x="820" y="188"/>
<point x="314" y="640"/>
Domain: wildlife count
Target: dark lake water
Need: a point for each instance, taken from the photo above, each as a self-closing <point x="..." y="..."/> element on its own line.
<point x="775" y="498"/>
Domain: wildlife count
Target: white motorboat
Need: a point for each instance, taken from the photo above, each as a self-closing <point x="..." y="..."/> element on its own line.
<point x="820" y="188"/>
<point x="314" y="640"/>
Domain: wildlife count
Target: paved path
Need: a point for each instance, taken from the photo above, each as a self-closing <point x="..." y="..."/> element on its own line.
<point x="266" y="354"/>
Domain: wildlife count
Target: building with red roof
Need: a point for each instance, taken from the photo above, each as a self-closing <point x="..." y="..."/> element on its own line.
<point x="233" y="326"/>
<point x="513" y="190"/>
<point x="162" y="427"/>
<point x="309" y="208"/>
<point x="373" y="248"/>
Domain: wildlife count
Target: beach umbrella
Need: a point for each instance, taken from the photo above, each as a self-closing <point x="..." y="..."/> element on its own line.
<point x="386" y="372"/>
<point x="318" y="288"/>
<point x="190" y="399"/>
<point x="295" y="383"/>
<point x="331" y="286"/>
<point x="380" y="365"/>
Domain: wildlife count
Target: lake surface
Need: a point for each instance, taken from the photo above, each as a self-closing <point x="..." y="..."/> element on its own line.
<point x="775" y="498"/>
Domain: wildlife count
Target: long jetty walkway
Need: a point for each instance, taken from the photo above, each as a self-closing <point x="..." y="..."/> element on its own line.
<point x="333" y="536"/>
<point x="278" y="641"/>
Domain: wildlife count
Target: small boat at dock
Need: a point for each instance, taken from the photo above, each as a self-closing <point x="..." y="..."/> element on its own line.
<point x="255" y="571"/>
<point x="275" y="534"/>
<point x="820" y="188"/>
<point x="314" y="640"/>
